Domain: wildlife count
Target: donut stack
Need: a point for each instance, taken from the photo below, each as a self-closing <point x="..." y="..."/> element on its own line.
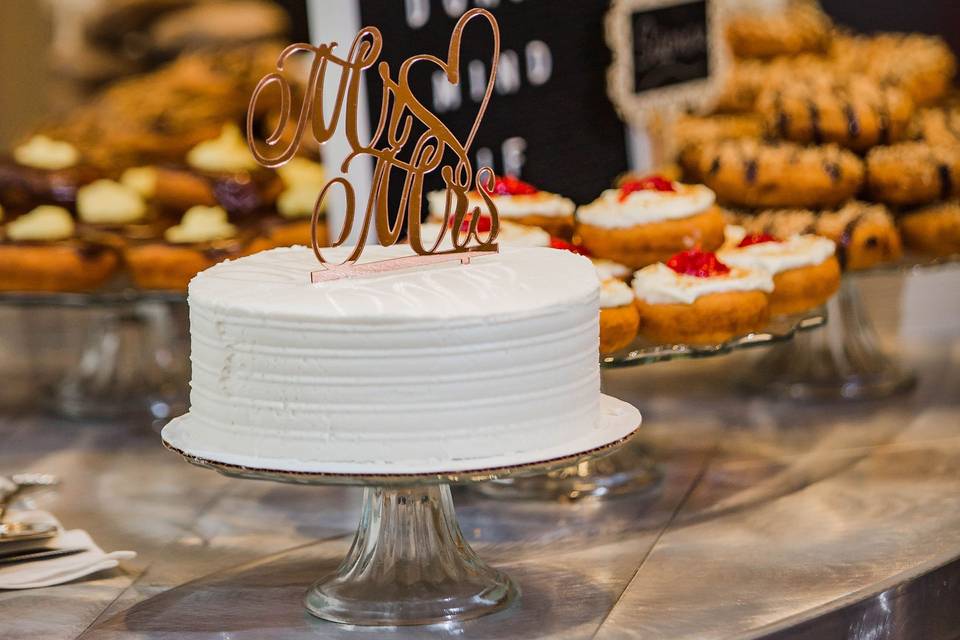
<point x="852" y="137"/>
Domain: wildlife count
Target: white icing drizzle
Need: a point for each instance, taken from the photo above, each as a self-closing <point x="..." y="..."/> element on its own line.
<point x="607" y="269"/>
<point x="645" y="206"/>
<point x="541" y="203"/>
<point x="444" y="362"/>
<point x="615" y="293"/>
<point x="659" y="284"/>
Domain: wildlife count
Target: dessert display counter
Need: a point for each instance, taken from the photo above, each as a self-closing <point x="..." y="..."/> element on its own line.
<point x="771" y="520"/>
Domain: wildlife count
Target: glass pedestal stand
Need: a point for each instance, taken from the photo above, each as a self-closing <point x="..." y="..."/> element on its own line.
<point x="630" y="470"/>
<point x="844" y="361"/>
<point x="409" y="563"/>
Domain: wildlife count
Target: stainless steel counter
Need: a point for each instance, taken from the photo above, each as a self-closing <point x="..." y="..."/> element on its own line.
<point x="772" y="520"/>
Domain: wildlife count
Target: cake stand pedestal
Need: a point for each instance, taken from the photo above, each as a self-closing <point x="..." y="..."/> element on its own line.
<point x="842" y="362"/>
<point x="409" y="563"/>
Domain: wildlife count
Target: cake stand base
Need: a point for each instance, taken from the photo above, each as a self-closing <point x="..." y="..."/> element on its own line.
<point x="843" y="361"/>
<point x="409" y="565"/>
<point x="629" y="470"/>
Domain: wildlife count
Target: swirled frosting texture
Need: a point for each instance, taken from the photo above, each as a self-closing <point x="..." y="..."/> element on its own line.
<point x="443" y="363"/>
<point x="614" y="211"/>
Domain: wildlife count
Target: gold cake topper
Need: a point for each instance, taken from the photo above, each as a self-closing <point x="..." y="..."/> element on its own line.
<point x="392" y="147"/>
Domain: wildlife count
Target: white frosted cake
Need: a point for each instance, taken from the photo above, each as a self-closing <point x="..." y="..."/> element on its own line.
<point x="425" y="368"/>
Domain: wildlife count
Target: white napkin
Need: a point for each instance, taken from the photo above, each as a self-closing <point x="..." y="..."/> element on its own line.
<point x="46" y="573"/>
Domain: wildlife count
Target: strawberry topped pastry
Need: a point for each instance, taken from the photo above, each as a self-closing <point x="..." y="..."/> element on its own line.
<point x="647" y="220"/>
<point x="696" y="298"/>
<point x="519" y="202"/>
<point x="804" y="268"/>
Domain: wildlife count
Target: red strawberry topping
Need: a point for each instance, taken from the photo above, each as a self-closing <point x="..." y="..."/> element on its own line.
<point x="483" y="224"/>
<point x="695" y="262"/>
<point x="756" y="238"/>
<point x="649" y="183"/>
<point x="510" y="186"/>
<point x="579" y="249"/>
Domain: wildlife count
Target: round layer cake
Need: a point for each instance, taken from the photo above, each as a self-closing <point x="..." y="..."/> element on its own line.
<point x="429" y="367"/>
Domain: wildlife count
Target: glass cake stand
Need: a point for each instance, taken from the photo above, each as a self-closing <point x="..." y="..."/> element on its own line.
<point x="845" y="361"/>
<point x="630" y="470"/>
<point x="409" y="563"/>
<point x="104" y="354"/>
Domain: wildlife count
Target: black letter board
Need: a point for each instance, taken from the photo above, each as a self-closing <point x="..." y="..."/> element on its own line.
<point x="669" y="45"/>
<point x="549" y="121"/>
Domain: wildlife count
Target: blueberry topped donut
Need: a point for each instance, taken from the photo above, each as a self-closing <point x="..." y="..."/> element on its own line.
<point x="751" y="173"/>
<point x="854" y="112"/>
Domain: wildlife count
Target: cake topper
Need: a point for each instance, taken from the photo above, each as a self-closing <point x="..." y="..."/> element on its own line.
<point x="394" y="145"/>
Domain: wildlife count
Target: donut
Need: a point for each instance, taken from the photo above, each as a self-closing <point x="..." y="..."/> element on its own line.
<point x="913" y="173"/>
<point x="934" y="229"/>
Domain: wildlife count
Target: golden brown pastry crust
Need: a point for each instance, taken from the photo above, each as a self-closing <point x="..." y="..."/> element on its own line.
<point x="913" y="173"/>
<point x="854" y="112"/>
<point x="802" y="27"/>
<point x="934" y="229"/>
<point x="638" y="246"/>
<point x="756" y="174"/>
<point x="71" y="265"/>
<point x="287" y="233"/>
<point x="711" y="319"/>
<point x="693" y="132"/>
<point x="618" y="327"/>
<point x="803" y="288"/>
<point x="166" y="266"/>
<point x="556" y="226"/>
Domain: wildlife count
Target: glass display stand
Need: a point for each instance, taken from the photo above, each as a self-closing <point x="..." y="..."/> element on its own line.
<point x="409" y="563"/>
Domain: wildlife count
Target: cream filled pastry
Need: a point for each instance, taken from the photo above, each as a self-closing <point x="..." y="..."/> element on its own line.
<point x="608" y="269"/>
<point x="695" y="298"/>
<point x="804" y="268"/>
<point x="648" y="220"/>
<point x="303" y="180"/>
<point x="42" y="152"/>
<point x="619" y="318"/>
<point x="41" y="251"/>
<point x="106" y="202"/>
<point x="520" y="202"/>
<point x="511" y="234"/>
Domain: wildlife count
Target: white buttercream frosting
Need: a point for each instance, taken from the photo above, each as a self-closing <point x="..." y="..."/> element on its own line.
<point x="607" y="269"/>
<point x="511" y="235"/>
<point x="615" y="293"/>
<point x="46" y="223"/>
<point x="540" y="203"/>
<point x="645" y="206"/>
<point x="46" y="153"/>
<point x="441" y="363"/>
<point x="775" y="257"/>
<point x="659" y="284"/>
<point x="143" y="180"/>
<point x="109" y="202"/>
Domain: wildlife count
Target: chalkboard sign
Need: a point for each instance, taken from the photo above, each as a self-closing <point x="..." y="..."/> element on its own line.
<point x="668" y="55"/>
<point x="549" y="120"/>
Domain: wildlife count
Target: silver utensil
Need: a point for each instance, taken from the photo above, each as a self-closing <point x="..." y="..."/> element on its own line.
<point x="38" y="554"/>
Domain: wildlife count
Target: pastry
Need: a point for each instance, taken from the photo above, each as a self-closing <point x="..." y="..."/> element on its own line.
<point x="437" y="365"/>
<point x="865" y="234"/>
<point x="203" y="238"/>
<point x="303" y="180"/>
<point x="511" y="234"/>
<point x="40" y="251"/>
<point x="619" y="319"/>
<point x="934" y="229"/>
<point x="691" y="133"/>
<point x="805" y="270"/>
<point x="649" y="220"/>
<point x="520" y="202"/>
<point x="747" y="79"/>
<point x="801" y="27"/>
<point x="610" y="270"/>
<point x="220" y="171"/>
<point x="853" y="112"/>
<point x="757" y="174"/>
<point x="696" y="299"/>
<point x="921" y="65"/>
<point x="913" y="173"/>
<point x="939" y="126"/>
<point x="42" y="171"/>
<point x="117" y="214"/>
